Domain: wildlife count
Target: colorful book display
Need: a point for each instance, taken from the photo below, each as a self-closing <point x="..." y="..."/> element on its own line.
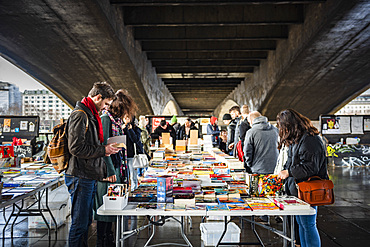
<point x="265" y="185"/>
<point x="116" y="190"/>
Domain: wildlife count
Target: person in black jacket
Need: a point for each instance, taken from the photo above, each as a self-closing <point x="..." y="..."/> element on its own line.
<point x="184" y="130"/>
<point x="306" y="158"/>
<point x="86" y="164"/>
<point x="164" y="127"/>
<point x="133" y="140"/>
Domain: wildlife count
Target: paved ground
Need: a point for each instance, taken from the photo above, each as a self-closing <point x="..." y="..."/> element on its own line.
<point x="346" y="223"/>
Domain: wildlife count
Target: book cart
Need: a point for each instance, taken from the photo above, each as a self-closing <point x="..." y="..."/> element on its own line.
<point x="195" y="173"/>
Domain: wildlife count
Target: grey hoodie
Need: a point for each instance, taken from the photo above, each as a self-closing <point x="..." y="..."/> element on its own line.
<point x="260" y="147"/>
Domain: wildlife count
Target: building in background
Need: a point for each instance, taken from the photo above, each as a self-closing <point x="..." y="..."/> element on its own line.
<point x="358" y="106"/>
<point x="10" y="99"/>
<point x="47" y="106"/>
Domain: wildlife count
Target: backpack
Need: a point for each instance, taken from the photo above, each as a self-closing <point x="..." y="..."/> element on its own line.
<point x="58" y="151"/>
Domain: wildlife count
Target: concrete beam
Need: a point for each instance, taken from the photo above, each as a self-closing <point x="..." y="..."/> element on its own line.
<point x="323" y="63"/>
<point x="213" y="15"/>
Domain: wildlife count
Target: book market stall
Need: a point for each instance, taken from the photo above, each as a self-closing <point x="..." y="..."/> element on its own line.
<point x="29" y="187"/>
<point x="207" y="184"/>
<point x="35" y="191"/>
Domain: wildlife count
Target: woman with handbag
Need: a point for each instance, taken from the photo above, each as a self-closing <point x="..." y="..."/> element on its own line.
<point x="112" y="122"/>
<point x="306" y="158"/>
<point x="134" y="146"/>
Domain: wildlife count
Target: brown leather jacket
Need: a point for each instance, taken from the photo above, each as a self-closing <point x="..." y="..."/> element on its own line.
<point x="87" y="152"/>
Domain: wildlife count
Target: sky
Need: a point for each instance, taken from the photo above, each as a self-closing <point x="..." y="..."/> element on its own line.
<point x="11" y="73"/>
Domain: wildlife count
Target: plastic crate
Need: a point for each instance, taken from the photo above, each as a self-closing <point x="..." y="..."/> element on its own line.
<point x="211" y="233"/>
<point x="115" y="202"/>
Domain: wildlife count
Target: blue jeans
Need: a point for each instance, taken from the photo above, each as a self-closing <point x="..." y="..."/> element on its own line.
<point x="132" y="173"/>
<point x="82" y="193"/>
<point x="308" y="232"/>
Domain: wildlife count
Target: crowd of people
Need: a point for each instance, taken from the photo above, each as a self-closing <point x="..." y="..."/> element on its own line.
<point x="104" y="113"/>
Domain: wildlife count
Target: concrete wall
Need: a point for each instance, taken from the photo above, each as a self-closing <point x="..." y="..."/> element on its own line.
<point x="156" y="91"/>
<point x="254" y="90"/>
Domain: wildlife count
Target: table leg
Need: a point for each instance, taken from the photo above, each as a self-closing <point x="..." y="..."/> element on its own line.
<point x="292" y="234"/>
<point x="183" y="233"/>
<point x="285" y="230"/>
<point x="123" y="229"/>
<point x="118" y="230"/>
<point x="255" y="231"/>
<point x="16" y="216"/>
<point x="223" y="233"/>
<point x="52" y="216"/>
<point x="151" y="236"/>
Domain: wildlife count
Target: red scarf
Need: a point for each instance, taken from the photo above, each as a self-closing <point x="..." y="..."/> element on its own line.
<point x="89" y="103"/>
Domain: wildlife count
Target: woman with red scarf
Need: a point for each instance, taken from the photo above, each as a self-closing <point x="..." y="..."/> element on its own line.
<point x="212" y="129"/>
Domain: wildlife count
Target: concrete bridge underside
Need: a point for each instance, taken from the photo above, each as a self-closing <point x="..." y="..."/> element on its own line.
<point x="305" y="54"/>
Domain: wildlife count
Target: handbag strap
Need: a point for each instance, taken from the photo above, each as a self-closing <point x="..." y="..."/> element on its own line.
<point x="135" y="148"/>
<point x="314" y="178"/>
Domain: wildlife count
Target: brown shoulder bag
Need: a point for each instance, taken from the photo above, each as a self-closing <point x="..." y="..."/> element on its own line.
<point x="316" y="191"/>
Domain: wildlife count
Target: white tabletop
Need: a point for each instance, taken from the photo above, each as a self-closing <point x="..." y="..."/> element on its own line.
<point x="130" y="210"/>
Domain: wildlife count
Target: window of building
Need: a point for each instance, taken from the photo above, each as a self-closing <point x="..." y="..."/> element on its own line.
<point x="50" y="105"/>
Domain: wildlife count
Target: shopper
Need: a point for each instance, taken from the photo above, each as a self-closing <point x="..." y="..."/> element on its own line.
<point x="184" y="131"/>
<point x="212" y="129"/>
<point x="223" y="139"/>
<point x="112" y="121"/>
<point x="306" y="158"/>
<point x="244" y="126"/>
<point x="260" y="145"/>
<point x="236" y="115"/>
<point x="86" y="165"/>
<point x="164" y="127"/>
<point x="133" y="133"/>
<point x="231" y="125"/>
<point x="175" y="125"/>
<point x="145" y="140"/>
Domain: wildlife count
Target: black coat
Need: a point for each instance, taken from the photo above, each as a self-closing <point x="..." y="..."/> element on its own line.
<point x="182" y="133"/>
<point x="133" y="135"/>
<point x="159" y="130"/>
<point x="305" y="159"/>
<point x="243" y="128"/>
<point x="87" y="152"/>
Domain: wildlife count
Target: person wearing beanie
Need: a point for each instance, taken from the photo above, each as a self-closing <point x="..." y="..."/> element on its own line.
<point x="175" y="125"/>
<point x="212" y="129"/>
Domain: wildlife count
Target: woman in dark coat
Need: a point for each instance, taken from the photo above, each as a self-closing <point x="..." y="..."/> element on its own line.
<point x="306" y="158"/>
<point x="112" y="121"/>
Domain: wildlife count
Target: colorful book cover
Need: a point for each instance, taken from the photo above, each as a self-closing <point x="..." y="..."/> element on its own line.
<point x="263" y="206"/>
<point x="239" y="206"/>
<point x="196" y="207"/>
<point x="290" y="203"/>
<point x="116" y="190"/>
<point x="217" y="207"/>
